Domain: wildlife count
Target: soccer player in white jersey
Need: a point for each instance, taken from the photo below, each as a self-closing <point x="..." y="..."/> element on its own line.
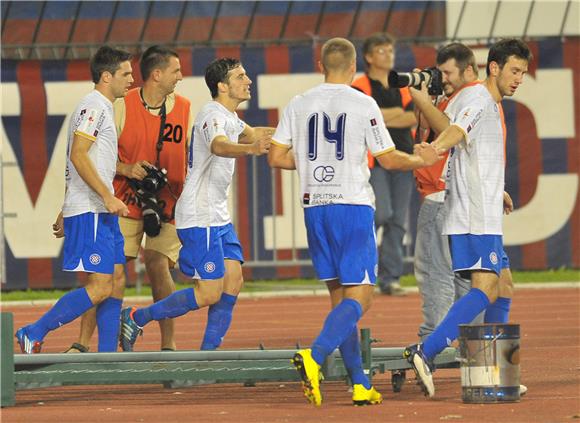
<point x="211" y="252"/>
<point x="475" y="195"/>
<point x="324" y="134"/>
<point x="93" y="242"/>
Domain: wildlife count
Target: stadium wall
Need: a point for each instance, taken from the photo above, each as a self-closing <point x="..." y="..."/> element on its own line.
<point x="542" y="157"/>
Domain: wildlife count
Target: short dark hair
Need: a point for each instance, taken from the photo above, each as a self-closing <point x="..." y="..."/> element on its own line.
<point x="377" y="39"/>
<point x="107" y="59"/>
<point x="155" y="57"/>
<point x="501" y="51"/>
<point x="217" y="71"/>
<point x="462" y="54"/>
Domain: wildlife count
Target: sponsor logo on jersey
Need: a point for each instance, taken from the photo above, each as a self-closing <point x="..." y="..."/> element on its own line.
<point x="324" y="173"/>
<point x="95" y="259"/>
<point x="474" y="121"/>
<point x="373" y="122"/>
<point x="306" y="198"/>
<point x="326" y="198"/>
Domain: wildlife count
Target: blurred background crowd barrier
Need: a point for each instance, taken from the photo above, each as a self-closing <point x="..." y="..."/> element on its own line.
<point x="44" y="73"/>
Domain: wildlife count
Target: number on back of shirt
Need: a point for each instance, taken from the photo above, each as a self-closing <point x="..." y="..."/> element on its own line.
<point x="333" y="136"/>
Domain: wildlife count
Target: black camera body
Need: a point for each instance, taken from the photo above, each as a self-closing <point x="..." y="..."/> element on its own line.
<point x="431" y="76"/>
<point x="154" y="180"/>
<point x="146" y="191"/>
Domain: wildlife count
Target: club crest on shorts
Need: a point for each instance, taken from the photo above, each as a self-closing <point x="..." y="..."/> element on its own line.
<point x="493" y="257"/>
<point x="95" y="259"/>
<point x="209" y="267"/>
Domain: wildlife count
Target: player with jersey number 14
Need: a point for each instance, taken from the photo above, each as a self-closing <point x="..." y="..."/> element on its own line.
<point x="324" y="134"/>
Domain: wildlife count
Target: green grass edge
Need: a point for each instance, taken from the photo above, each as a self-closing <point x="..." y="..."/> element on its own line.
<point x="520" y="277"/>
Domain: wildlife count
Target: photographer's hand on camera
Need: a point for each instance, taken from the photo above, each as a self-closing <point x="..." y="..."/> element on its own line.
<point x="133" y="170"/>
<point x="421" y="95"/>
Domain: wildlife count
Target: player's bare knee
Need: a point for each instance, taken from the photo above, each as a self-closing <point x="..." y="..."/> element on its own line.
<point x="99" y="291"/>
<point x="208" y="292"/>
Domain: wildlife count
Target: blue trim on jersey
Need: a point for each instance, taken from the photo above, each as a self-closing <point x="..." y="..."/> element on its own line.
<point x="204" y="250"/>
<point x="477" y="252"/>
<point x="342" y="242"/>
<point x="92" y="243"/>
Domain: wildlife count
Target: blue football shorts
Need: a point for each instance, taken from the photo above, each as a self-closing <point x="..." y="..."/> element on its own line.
<point x="92" y="243"/>
<point x="204" y="250"/>
<point x="342" y="243"/>
<point x="478" y="252"/>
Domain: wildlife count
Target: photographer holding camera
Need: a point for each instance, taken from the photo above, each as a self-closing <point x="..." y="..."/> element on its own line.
<point x="438" y="284"/>
<point x="154" y="127"/>
<point x="392" y="188"/>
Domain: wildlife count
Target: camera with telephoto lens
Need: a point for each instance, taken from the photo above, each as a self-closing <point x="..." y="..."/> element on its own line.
<point x="146" y="191"/>
<point x="431" y="76"/>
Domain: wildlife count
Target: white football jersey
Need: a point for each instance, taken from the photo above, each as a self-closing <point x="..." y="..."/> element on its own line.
<point x="476" y="169"/>
<point x="92" y="119"/>
<point x="203" y="201"/>
<point x="330" y="128"/>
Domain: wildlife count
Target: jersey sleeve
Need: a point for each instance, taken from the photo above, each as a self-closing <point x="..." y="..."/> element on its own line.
<point x="467" y="117"/>
<point x="377" y="137"/>
<point x="213" y="126"/>
<point x="90" y="122"/>
<point x="283" y="134"/>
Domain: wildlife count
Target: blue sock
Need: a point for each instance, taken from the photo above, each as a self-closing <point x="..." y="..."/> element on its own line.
<point x="499" y="311"/>
<point x="219" y="318"/>
<point x="339" y="324"/>
<point x="351" y="356"/>
<point x="463" y="311"/>
<point x="70" y="306"/>
<point x="177" y="304"/>
<point x="108" y="314"/>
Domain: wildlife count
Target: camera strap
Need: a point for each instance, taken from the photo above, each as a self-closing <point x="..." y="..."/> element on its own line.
<point x="159" y="146"/>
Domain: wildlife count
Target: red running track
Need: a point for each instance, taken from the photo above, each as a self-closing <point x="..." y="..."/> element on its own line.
<point x="550" y="367"/>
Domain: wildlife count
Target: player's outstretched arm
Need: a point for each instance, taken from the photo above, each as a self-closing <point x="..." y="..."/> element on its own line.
<point x="399" y="160"/>
<point x="223" y="147"/>
<point x="252" y="134"/>
<point x="281" y="156"/>
<point x="449" y="138"/>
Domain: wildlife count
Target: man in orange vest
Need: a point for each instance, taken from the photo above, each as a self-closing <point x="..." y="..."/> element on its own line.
<point x="154" y="128"/>
<point x="392" y="188"/>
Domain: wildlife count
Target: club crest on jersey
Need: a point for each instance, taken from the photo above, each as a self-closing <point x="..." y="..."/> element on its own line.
<point x="493" y="257"/>
<point x="95" y="259"/>
<point x="209" y="267"/>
